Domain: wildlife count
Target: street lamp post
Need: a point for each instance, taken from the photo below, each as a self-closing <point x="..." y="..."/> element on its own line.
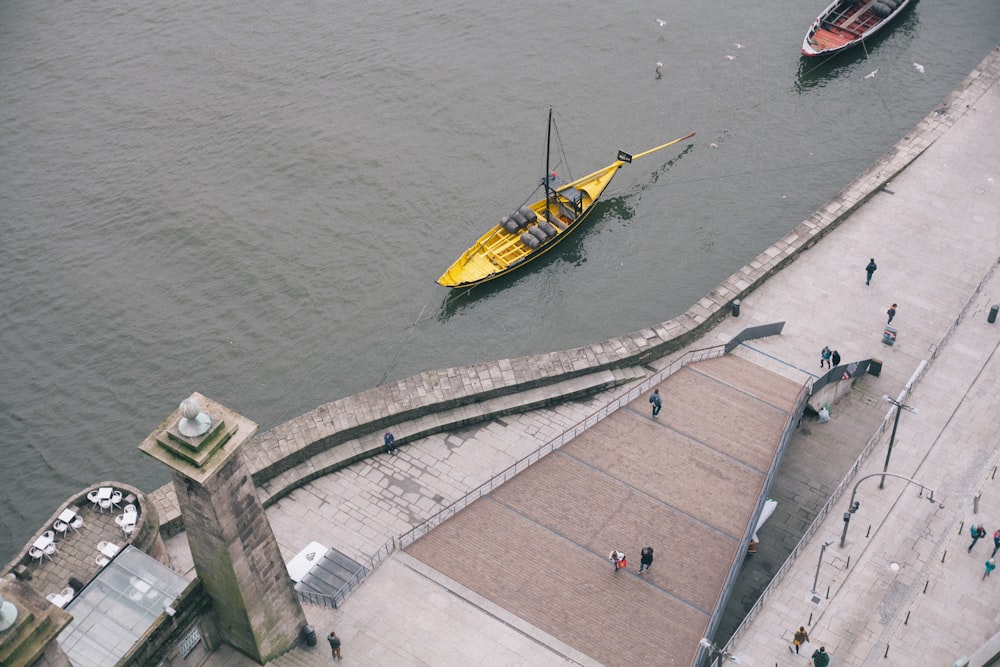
<point x="820" y="563"/>
<point x="855" y="504"/>
<point x="892" y="437"/>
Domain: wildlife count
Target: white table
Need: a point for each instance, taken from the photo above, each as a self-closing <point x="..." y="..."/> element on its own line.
<point x="104" y="493"/>
<point x="67" y="515"/>
<point x="304" y="561"/>
<point x="108" y="549"/>
<point x="43" y="542"/>
<point x="58" y="599"/>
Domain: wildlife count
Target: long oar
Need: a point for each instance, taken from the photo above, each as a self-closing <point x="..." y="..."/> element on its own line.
<point x="625" y="157"/>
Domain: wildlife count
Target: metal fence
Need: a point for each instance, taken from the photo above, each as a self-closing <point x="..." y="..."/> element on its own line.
<point x="569" y="434"/>
<point x="791" y="424"/>
<point x="336" y="599"/>
<point x="852" y="473"/>
<point x="566" y="436"/>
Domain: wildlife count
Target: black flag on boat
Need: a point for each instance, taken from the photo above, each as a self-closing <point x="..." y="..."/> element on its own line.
<point x="624" y="157"/>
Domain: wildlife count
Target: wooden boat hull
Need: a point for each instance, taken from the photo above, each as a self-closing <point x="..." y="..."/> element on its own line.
<point x="847" y="23"/>
<point x="499" y="251"/>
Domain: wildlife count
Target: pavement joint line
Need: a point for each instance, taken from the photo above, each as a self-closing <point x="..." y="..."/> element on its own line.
<point x="492" y="609"/>
<point x="779" y="360"/>
<point x="738" y="390"/>
<point x="654" y="499"/>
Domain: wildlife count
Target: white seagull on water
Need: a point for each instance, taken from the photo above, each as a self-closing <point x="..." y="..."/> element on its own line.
<point x="872" y="75"/>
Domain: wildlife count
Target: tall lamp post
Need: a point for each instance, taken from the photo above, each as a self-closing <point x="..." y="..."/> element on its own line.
<point x="892" y="438"/>
<point x="855" y="504"/>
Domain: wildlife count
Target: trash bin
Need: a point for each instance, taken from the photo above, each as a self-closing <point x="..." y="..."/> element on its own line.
<point x="993" y="314"/>
<point x="889" y="335"/>
<point x="309" y="635"/>
<point x="736" y="307"/>
<point x="875" y="367"/>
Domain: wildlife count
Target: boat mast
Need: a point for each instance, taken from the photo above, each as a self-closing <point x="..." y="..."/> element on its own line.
<point x="548" y="174"/>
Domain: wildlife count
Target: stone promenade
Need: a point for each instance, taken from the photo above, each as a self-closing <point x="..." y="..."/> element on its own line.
<point x="903" y="589"/>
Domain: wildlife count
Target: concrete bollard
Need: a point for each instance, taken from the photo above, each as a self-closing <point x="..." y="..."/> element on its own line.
<point x="736" y="307"/>
<point x="992" y="317"/>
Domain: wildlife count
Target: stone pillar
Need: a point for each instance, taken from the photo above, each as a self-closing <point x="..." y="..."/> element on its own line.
<point x="234" y="550"/>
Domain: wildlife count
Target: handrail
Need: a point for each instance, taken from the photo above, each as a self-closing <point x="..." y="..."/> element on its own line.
<point x="814" y="526"/>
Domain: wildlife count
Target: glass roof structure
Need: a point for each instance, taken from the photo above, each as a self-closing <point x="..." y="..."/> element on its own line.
<point x="117" y="607"/>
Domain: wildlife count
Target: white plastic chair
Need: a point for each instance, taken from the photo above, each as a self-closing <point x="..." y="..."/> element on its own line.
<point x="50" y="550"/>
<point x="77" y="523"/>
<point x="48" y="534"/>
<point x="92" y="497"/>
<point x="105" y="504"/>
<point x="116" y="498"/>
<point x="61" y="527"/>
<point x="36" y="553"/>
<point x="101" y="560"/>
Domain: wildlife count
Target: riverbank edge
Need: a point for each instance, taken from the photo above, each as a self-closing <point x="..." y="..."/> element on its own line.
<point x="349" y="429"/>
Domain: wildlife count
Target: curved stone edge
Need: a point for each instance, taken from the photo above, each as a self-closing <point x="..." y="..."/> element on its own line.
<point x="146" y="535"/>
<point x="277" y="450"/>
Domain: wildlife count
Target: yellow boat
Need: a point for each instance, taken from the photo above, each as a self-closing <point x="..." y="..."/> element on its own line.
<point x="532" y="230"/>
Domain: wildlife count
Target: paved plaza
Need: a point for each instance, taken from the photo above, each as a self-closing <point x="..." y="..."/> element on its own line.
<point x="902" y="590"/>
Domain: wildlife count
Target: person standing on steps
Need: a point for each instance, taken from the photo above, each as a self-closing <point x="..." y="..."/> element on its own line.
<point x="645" y="559"/>
<point x="820" y="658"/>
<point x="390" y="442"/>
<point x="891" y="313"/>
<point x="334" y="645"/>
<point x="800" y="638"/>
<point x="836" y="358"/>
<point x="657" y="402"/>
<point x="870" y="270"/>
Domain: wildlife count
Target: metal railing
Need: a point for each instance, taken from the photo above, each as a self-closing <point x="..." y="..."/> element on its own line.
<point x="872" y="442"/>
<point x="566" y="436"/>
<point x="522" y="464"/>
<point x="337" y="598"/>
<point x="791" y="424"/>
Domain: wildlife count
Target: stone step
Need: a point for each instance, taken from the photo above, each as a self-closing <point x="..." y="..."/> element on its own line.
<point x="341" y="455"/>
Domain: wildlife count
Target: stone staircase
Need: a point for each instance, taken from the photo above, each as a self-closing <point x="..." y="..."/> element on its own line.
<point x="274" y="483"/>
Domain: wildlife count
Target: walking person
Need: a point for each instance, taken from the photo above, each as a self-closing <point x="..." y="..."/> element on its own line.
<point x="996" y="543"/>
<point x="645" y="559"/>
<point x="891" y="313"/>
<point x="836" y="358"/>
<point x="334" y="645"/>
<point x="657" y="402"/>
<point x="617" y="559"/>
<point x="976" y="532"/>
<point x="390" y="442"/>
<point x="820" y="658"/>
<point x="824" y="356"/>
<point x="990" y="566"/>
<point x="800" y="638"/>
<point x="870" y="269"/>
